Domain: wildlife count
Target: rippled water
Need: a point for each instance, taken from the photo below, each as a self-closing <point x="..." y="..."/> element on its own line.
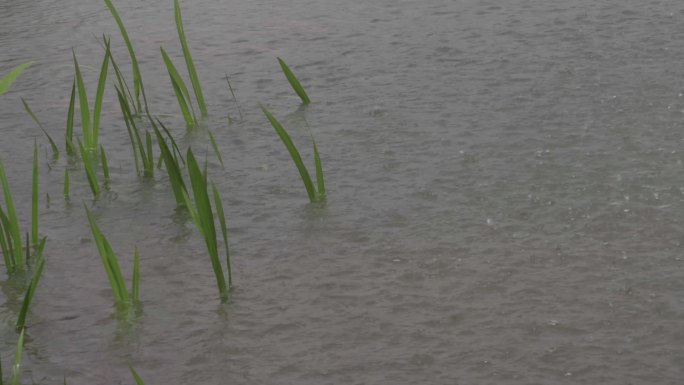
<point x="506" y="194"/>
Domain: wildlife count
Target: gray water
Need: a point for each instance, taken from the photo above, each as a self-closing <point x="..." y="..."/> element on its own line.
<point x="505" y="195"/>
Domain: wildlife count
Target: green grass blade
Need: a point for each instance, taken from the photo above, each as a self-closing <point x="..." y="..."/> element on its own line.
<point x="122" y="85"/>
<point x="28" y="297"/>
<point x="294" y="82"/>
<point x="148" y="159"/>
<point x="137" y="378"/>
<point x="172" y="168"/>
<point x="224" y="230"/>
<point x="90" y="170"/>
<point x="66" y="184"/>
<point x="194" y="79"/>
<point x="214" y="145"/>
<point x="55" y="150"/>
<point x="34" y="197"/>
<point x="135" y="286"/>
<point x="99" y="95"/>
<point x="303" y="172"/>
<point x="137" y="78"/>
<point x="177" y="151"/>
<point x="230" y="87"/>
<point x="206" y="220"/>
<point x="83" y="101"/>
<point x="70" y="148"/>
<point x="16" y="367"/>
<point x="105" y="165"/>
<point x="13" y="221"/>
<point x="7" y="80"/>
<point x="181" y="91"/>
<point x="130" y="126"/>
<point x="319" y="171"/>
<point x="6" y="242"/>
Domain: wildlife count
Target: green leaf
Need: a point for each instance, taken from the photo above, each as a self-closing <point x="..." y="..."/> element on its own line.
<point x="188" y="59"/>
<point x="7" y="80"/>
<point x="55" y="150"/>
<point x="294" y="82"/>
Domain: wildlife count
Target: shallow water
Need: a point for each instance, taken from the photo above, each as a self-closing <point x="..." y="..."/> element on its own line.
<point x="506" y="194"/>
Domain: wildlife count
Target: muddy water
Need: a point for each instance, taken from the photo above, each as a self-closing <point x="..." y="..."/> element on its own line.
<point x="506" y="194"/>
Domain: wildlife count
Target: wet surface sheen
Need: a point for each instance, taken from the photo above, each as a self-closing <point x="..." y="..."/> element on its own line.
<point x="506" y="195"/>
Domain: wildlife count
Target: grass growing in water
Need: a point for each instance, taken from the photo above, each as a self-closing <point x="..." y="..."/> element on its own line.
<point x="91" y="130"/>
<point x="30" y="291"/>
<point x="69" y="136"/>
<point x="181" y="91"/>
<point x="194" y="79"/>
<point x="122" y="297"/>
<point x="16" y="366"/>
<point x="7" y="80"/>
<point x="140" y="148"/>
<point x="316" y="192"/>
<point x="294" y="82"/>
<point x="89" y="165"/>
<point x="55" y="150"/>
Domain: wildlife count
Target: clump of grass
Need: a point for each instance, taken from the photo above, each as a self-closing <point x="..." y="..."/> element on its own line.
<point x="122" y="296"/>
<point x="139" y="89"/>
<point x="7" y="80"/>
<point x="316" y="192"/>
<point x="294" y="82"/>
<point x="173" y="167"/>
<point x="10" y="233"/>
<point x="203" y="215"/>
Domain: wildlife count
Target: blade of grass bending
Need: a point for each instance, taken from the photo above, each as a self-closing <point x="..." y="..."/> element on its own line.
<point x="16" y="367"/>
<point x="135" y="284"/>
<point x="28" y="297"/>
<point x="181" y="91"/>
<point x="109" y="261"/>
<point x="130" y="126"/>
<point x="90" y="171"/>
<point x="137" y="378"/>
<point x="177" y="151"/>
<point x="6" y="242"/>
<point x="105" y="165"/>
<point x="149" y="159"/>
<point x="34" y="197"/>
<point x="194" y="79"/>
<point x="83" y="101"/>
<point x="71" y="150"/>
<point x="303" y="172"/>
<point x="294" y="82"/>
<point x="137" y="78"/>
<point x="230" y="87"/>
<point x="7" y="80"/>
<point x="99" y="95"/>
<point x="224" y="230"/>
<point x="12" y="222"/>
<point x="206" y="220"/>
<point x="55" y="150"/>
<point x="212" y="139"/>
<point x="122" y="85"/>
<point x="175" y="177"/>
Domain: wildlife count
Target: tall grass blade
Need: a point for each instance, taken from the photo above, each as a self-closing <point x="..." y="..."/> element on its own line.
<point x="105" y="165"/>
<point x="194" y="79"/>
<point x="135" y="285"/>
<point x="294" y="82"/>
<point x="137" y="378"/>
<point x="110" y="262"/>
<point x="224" y="230"/>
<point x="90" y="169"/>
<point x="99" y="95"/>
<point x="137" y="78"/>
<point x="11" y="222"/>
<point x="214" y="145"/>
<point x="173" y="170"/>
<point x="122" y="85"/>
<point x="16" y="367"/>
<point x="319" y="171"/>
<point x="7" y="80"/>
<point x="83" y="101"/>
<point x="28" y="297"/>
<point x="34" y="197"/>
<point x="66" y="183"/>
<point x="70" y="148"/>
<point x="205" y="220"/>
<point x="130" y="126"/>
<point x="303" y="172"/>
<point x="174" y="145"/>
<point x="55" y="150"/>
<point x="181" y="91"/>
